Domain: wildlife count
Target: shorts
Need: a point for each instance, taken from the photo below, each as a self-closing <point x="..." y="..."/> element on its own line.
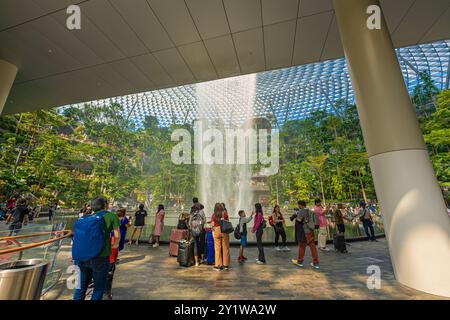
<point x="243" y="240"/>
<point x="341" y="227"/>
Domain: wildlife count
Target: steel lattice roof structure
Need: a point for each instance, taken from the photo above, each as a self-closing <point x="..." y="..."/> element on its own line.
<point x="283" y="94"/>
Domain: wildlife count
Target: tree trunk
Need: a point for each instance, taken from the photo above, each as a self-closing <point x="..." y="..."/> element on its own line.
<point x="278" y="197"/>
<point x="16" y="164"/>
<point x="362" y="187"/>
<point x="321" y="188"/>
<point x="18" y="123"/>
<point x="331" y="190"/>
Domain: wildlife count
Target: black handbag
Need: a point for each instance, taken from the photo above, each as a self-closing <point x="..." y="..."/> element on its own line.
<point x="226" y="227"/>
<point x="237" y="232"/>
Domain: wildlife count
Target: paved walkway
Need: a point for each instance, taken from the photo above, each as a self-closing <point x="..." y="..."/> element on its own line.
<point x="148" y="273"/>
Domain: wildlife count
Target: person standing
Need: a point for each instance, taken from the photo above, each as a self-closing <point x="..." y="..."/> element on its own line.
<point x="19" y="217"/>
<point x="221" y="240"/>
<point x="159" y="225"/>
<point x="323" y="223"/>
<point x="305" y="225"/>
<point x="84" y="210"/>
<point x="30" y="212"/>
<point x="197" y="221"/>
<point x="278" y="225"/>
<point x="339" y="218"/>
<point x="96" y="269"/>
<point x="124" y="224"/>
<point x="195" y="202"/>
<point x="258" y="229"/>
<point x="11" y="204"/>
<point x="2" y="212"/>
<point x="225" y="211"/>
<point x="139" y="223"/>
<point x="51" y="210"/>
<point x="366" y="219"/>
<point x="37" y="211"/>
<point x="243" y="220"/>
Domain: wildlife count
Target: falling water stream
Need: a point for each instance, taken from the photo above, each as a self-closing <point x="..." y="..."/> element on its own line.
<point x="217" y="103"/>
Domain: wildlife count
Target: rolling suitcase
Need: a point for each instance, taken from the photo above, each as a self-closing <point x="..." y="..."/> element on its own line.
<point x="176" y="235"/>
<point x="339" y="243"/>
<point x="210" y="255"/>
<point x="186" y="253"/>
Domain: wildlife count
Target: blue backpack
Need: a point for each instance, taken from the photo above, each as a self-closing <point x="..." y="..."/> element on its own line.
<point x="89" y="237"/>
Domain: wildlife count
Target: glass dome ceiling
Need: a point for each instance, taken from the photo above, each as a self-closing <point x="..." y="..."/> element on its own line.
<point x="283" y="94"/>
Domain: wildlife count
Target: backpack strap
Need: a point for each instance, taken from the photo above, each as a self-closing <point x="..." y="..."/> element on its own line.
<point x="101" y="214"/>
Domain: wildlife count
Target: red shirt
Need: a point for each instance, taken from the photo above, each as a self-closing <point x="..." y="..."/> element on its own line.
<point x="11" y="203"/>
<point x="215" y="222"/>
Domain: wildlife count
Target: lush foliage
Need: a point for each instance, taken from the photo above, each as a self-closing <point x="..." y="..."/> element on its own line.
<point x="323" y="156"/>
<point x="81" y="153"/>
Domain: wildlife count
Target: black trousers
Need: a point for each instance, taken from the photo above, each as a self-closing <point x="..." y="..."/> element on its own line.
<point x="368" y="226"/>
<point x="259" y="244"/>
<point x="109" y="279"/>
<point x="199" y="248"/>
<point x="280" y="232"/>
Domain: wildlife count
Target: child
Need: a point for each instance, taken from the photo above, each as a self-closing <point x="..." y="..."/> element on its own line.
<point x="243" y="230"/>
<point x="125" y="222"/>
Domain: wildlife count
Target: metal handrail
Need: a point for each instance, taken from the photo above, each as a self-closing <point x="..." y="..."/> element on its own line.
<point x="17" y="243"/>
<point x="59" y="236"/>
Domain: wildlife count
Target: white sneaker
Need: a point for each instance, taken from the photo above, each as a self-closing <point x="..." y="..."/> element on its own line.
<point x="278" y="248"/>
<point x="155" y="245"/>
<point x="286" y="249"/>
<point x="324" y="249"/>
<point x="315" y="265"/>
<point x="259" y="262"/>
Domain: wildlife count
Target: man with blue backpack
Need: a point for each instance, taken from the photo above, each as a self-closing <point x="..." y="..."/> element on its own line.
<point x="92" y="247"/>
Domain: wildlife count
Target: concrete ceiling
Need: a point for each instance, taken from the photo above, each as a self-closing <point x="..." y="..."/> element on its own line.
<point x="130" y="46"/>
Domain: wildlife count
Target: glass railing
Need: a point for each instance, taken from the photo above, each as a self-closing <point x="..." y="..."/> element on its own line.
<point x="353" y="230"/>
<point x="41" y="232"/>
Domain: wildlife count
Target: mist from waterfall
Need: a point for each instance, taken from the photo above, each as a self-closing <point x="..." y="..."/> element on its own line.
<point x="217" y="100"/>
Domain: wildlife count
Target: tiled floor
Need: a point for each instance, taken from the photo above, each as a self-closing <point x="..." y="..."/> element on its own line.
<point x="148" y="273"/>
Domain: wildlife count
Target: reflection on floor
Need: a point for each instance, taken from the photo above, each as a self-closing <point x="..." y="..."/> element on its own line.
<point x="149" y="273"/>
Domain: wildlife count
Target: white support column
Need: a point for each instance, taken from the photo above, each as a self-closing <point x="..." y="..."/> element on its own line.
<point x="414" y="213"/>
<point x="8" y="73"/>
